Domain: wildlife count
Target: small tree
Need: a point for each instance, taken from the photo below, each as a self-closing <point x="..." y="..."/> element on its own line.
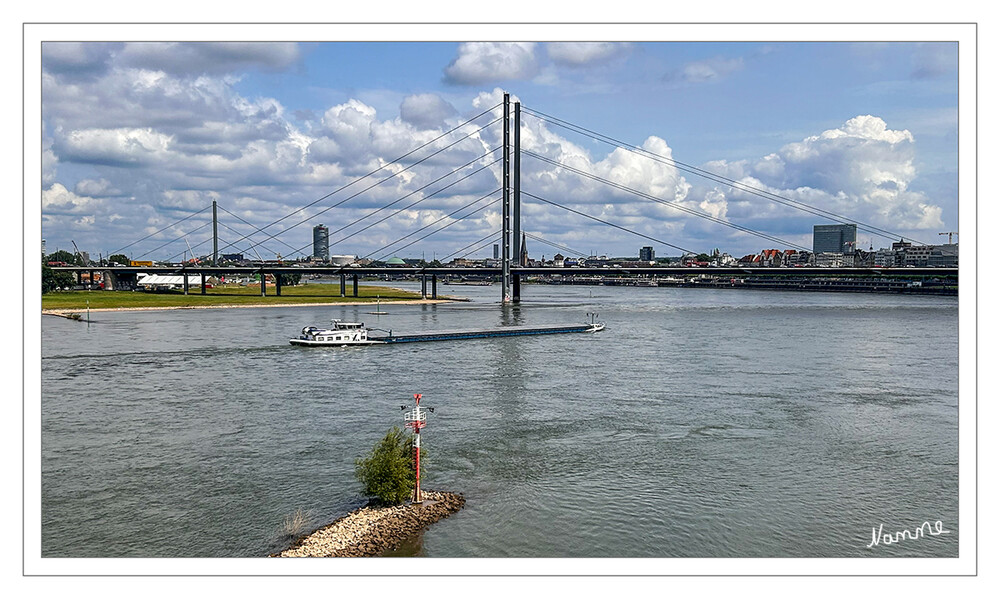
<point x="52" y="280"/>
<point x="290" y="279"/>
<point x="64" y="256"/>
<point x="387" y="472"/>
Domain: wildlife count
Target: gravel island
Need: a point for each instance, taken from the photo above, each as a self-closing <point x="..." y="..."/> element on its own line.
<point x="371" y="531"/>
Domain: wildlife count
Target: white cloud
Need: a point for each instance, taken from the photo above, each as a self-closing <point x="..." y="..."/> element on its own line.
<point x="115" y="146"/>
<point x="481" y="62"/>
<point x="49" y="163"/>
<point x="58" y="199"/>
<point x="577" y="54"/>
<point x="427" y="111"/>
<point x="861" y="170"/>
<point x="709" y="69"/>
<point x="208" y="57"/>
<point x="95" y="187"/>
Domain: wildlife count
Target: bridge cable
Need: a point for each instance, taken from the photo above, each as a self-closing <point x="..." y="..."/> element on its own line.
<point x="427" y="197"/>
<point x="457" y="220"/>
<point x="158" y="232"/>
<point x="418" y="148"/>
<point x="176" y="239"/>
<point x="798" y="205"/>
<point x="490" y="236"/>
<point x="450" y="214"/>
<point x="396" y="174"/>
<point x="608" y="223"/>
<point x="556" y="245"/>
<point x="256" y="228"/>
<point x="666" y="202"/>
<point x="203" y="242"/>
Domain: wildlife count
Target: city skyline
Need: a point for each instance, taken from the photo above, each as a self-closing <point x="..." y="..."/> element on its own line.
<point x="139" y="136"/>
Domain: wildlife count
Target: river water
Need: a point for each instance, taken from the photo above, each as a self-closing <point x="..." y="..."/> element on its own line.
<point x="700" y="423"/>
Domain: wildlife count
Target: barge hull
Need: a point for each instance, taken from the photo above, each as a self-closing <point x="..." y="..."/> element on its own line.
<point x="482" y="334"/>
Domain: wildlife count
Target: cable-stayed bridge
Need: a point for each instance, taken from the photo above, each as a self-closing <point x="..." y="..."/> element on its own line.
<point x="272" y="237"/>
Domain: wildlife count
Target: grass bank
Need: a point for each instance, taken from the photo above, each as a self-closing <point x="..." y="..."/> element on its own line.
<point x="222" y="296"/>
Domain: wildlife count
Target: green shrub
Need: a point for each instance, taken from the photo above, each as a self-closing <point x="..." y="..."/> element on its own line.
<point x="387" y="472"/>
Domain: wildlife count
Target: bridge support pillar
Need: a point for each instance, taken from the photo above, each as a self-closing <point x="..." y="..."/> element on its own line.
<point x="277" y="283"/>
<point x="516" y="286"/>
<point x="434" y="286"/>
<point x="186" y="284"/>
<point x="263" y="284"/>
<point x="343" y="285"/>
<point x="355" y="285"/>
<point x="423" y="286"/>
<point x="203" y="283"/>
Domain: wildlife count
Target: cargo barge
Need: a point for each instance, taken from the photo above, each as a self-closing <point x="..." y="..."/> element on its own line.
<point x="342" y="334"/>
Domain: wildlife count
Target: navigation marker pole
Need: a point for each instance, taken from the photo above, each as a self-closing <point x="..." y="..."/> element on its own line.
<point x="417" y="419"/>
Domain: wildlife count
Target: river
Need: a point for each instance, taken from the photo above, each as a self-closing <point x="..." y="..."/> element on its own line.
<point x="700" y="423"/>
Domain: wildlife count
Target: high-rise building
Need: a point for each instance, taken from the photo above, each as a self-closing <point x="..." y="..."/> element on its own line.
<point x="496" y="251"/>
<point x="646" y="254"/>
<point x="321" y="243"/>
<point x="835" y="239"/>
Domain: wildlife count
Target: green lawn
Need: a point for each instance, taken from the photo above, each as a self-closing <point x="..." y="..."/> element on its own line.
<point x="219" y="296"/>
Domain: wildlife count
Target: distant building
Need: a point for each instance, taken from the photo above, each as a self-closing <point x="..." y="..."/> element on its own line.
<point x="523" y="258"/>
<point x="342" y="260"/>
<point x="931" y="255"/>
<point x="646" y="254"/>
<point x="831" y="260"/>
<point x="797" y="258"/>
<point x="321" y="243"/>
<point x="496" y="251"/>
<point x="903" y="254"/>
<point x="835" y="239"/>
<point x="771" y="258"/>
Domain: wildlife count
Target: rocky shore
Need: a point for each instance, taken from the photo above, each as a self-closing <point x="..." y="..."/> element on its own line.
<point x="371" y="531"/>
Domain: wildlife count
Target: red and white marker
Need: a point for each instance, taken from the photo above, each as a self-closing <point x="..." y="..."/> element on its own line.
<point x="417" y="419"/>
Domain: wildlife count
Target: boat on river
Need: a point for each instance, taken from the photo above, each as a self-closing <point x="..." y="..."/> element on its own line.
<point x="342" y="334"/>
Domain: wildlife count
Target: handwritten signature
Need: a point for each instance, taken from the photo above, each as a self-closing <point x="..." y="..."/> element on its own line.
<point x="880" y="538"/>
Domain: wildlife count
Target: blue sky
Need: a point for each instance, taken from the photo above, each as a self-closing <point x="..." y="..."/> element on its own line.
<point x="139" y="136"/>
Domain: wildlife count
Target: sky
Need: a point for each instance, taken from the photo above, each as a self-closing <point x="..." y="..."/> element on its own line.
<point x="138" y="139"/>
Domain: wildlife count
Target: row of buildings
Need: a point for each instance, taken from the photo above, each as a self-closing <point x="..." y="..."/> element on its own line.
<point x="836" y="245"/>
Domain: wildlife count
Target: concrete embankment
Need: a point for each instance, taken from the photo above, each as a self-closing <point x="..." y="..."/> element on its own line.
<point x="372" y="531"/>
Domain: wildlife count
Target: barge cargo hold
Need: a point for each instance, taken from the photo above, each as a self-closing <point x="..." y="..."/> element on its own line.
<point x="513" y="331"/>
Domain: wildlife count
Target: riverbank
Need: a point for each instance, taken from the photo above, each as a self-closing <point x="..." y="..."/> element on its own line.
<point x="72" y="313"/>
<point x="371" y="531"/>
<point x="67" y="302"/>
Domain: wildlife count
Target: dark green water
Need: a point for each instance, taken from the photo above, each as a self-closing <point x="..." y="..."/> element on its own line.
<point x="699" y="423"/>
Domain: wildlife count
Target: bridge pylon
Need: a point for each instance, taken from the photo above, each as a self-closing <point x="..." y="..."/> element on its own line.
<point x="511" y="229"/>
<point x="505" y="229"/>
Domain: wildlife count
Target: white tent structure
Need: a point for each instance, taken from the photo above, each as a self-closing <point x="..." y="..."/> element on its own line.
<point x="168" y="281"/>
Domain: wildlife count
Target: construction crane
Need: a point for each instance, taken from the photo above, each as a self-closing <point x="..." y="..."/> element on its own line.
<point x="193" y="260"/>
<point x="949" y="234"/>
<point x="78" y="254"/>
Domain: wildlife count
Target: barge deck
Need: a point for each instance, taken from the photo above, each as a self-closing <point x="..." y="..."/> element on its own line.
<point x="512" y="331"/>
